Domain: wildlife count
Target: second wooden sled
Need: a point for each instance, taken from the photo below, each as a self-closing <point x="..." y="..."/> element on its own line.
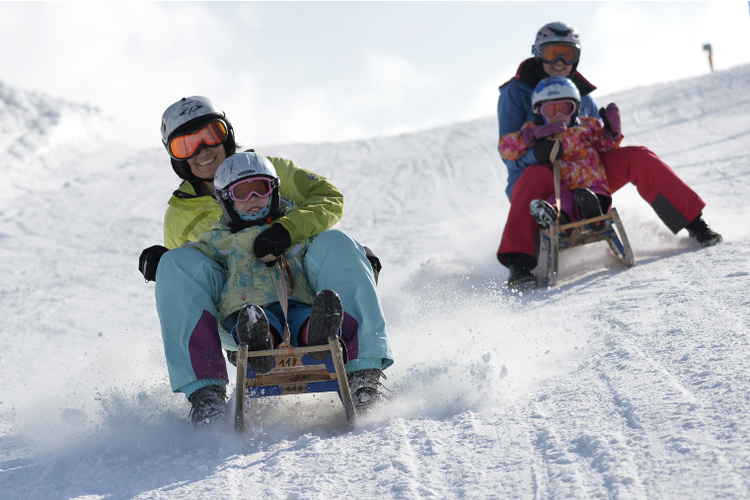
<point x="583" y="234"/>
<point x="613" y="233"/>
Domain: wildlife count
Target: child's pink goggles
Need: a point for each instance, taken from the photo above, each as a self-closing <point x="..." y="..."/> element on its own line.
<point x="244" y="189"/>
<point x="564" y="107"/>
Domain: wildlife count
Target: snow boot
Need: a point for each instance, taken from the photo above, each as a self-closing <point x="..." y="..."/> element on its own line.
<point x="699" y="230"/>
<point x="326" y="318"/>
<point x="367" y="390"/>
<point x="254" y="330"/>
<point x="545" y="214"/>
<point x="519" y="272"/>
<point x="209" y="405"/>
<point x="589" y="206"/>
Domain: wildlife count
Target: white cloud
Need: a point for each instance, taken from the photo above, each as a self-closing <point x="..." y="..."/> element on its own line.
<point x="284" y="76"/>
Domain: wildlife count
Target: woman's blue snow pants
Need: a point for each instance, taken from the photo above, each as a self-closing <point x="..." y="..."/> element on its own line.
<point x="188" y="285"/>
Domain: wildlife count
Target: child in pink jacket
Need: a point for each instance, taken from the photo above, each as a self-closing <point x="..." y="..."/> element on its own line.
<point x="558" y="134"/>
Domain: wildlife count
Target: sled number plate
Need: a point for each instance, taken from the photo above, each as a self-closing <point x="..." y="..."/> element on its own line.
<point x="294" y="389"/>
<point x="288" y="361"/>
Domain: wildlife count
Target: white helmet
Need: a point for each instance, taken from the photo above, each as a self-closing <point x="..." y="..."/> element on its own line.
<point x="553" y="88"/>
<point x="559" y="34"/>
<point x="556" y="32"/>
<point x="188" y="115"/>
<point x="236" y="168"/>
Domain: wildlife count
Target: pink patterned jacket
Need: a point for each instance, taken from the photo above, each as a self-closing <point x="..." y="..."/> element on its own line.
<point x="580" y="165"/>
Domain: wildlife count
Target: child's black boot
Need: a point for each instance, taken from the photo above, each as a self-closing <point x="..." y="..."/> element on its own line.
<point x="254" y="330"/>
<point x="326" y="318"/>
<point x="588" y="207"/>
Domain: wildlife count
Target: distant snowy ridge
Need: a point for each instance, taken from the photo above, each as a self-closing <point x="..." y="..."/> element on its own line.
<point x="32" y="123"/>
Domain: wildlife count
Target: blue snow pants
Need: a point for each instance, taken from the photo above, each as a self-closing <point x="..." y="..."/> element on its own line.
<point x="188" y="285"/>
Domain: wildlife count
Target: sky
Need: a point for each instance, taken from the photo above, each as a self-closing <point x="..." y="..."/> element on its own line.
<point x="308" y="72"/>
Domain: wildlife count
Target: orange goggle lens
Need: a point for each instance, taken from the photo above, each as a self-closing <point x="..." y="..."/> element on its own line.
<point x="243" y="190"/>
<point x="553" y="108"/>
<point x="551" y="52"/>
<point x="186" y="146"/>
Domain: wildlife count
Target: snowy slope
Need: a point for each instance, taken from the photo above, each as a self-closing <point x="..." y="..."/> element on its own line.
<point x="615" y="384"/>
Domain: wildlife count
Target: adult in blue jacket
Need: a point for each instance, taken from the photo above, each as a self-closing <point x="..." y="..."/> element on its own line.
<point x="556" y="52"/>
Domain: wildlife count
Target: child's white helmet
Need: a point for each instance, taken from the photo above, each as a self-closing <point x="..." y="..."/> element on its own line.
<point x="238" y="167"/>
<point x="553" y="88"/>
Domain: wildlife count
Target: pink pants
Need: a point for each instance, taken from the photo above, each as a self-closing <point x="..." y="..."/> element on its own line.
<point x="673" y="201"/>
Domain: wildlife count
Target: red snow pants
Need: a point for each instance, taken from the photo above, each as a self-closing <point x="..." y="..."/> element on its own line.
<point x="673" y="201"/>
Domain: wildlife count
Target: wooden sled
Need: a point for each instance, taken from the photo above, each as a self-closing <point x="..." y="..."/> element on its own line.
<point x="294" y="372"/>
<point x="583" y="234"/>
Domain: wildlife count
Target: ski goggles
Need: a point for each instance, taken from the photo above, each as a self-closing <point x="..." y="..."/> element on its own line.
<point x="551" y="109"/>
<point x="244" y="189"/>
<point x="186" y="146"/>
<point x="552" y="52"/>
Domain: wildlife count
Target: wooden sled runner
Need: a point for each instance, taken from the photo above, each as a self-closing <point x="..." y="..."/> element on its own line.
<point x="582" y="234"/>
<point x="294" y="371"/>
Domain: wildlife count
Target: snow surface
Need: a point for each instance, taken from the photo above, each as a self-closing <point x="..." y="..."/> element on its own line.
<point x="617" y="383"/>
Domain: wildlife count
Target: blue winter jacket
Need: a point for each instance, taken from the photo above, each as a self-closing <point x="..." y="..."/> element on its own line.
<point x="514" y="109"/>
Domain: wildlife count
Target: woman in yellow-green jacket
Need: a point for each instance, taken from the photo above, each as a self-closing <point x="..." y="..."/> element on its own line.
<point x="199" y="137"/>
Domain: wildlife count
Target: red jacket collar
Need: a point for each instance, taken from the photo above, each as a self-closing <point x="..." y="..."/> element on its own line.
<point x="531" y="73"/>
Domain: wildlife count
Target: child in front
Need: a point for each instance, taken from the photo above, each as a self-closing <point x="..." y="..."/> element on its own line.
<point x="559" y="135"/>
<point x="247" y="188"/>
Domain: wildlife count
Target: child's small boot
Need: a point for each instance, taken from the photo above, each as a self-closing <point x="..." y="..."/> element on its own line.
<point x="543" y="213"/>
<point x="326" y="318"/>
<point x="254" y="330"/>
<point x="588" y="206"/>
<point x="699" y="230"/>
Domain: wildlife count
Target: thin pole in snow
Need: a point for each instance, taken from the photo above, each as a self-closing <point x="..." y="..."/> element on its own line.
<point x="707" y="48"/>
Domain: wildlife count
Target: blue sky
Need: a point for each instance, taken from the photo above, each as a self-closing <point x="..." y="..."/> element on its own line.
<point x="329" y="71"/>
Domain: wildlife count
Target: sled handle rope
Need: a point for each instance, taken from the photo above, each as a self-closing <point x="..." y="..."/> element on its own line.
<point x="282" y="266"/>
<point x="556" y="172"/>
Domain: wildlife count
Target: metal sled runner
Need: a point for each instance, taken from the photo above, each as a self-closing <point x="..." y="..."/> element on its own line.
<point x="583" y="234"/>
<point x="294" y="372"/>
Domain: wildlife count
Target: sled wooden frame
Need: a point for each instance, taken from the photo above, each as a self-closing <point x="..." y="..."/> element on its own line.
<point x="293" y="373"/>
<point x="582" y="234"/>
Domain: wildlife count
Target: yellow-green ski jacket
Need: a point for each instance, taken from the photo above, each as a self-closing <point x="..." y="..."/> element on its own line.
<point x="319" y="205"/>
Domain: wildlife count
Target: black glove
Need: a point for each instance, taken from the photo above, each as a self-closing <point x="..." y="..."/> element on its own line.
<point x="374" y="263"/>
<point x="271" y="243"/>
<point x="547" y="151"/>
<point x="148" y="262"/>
